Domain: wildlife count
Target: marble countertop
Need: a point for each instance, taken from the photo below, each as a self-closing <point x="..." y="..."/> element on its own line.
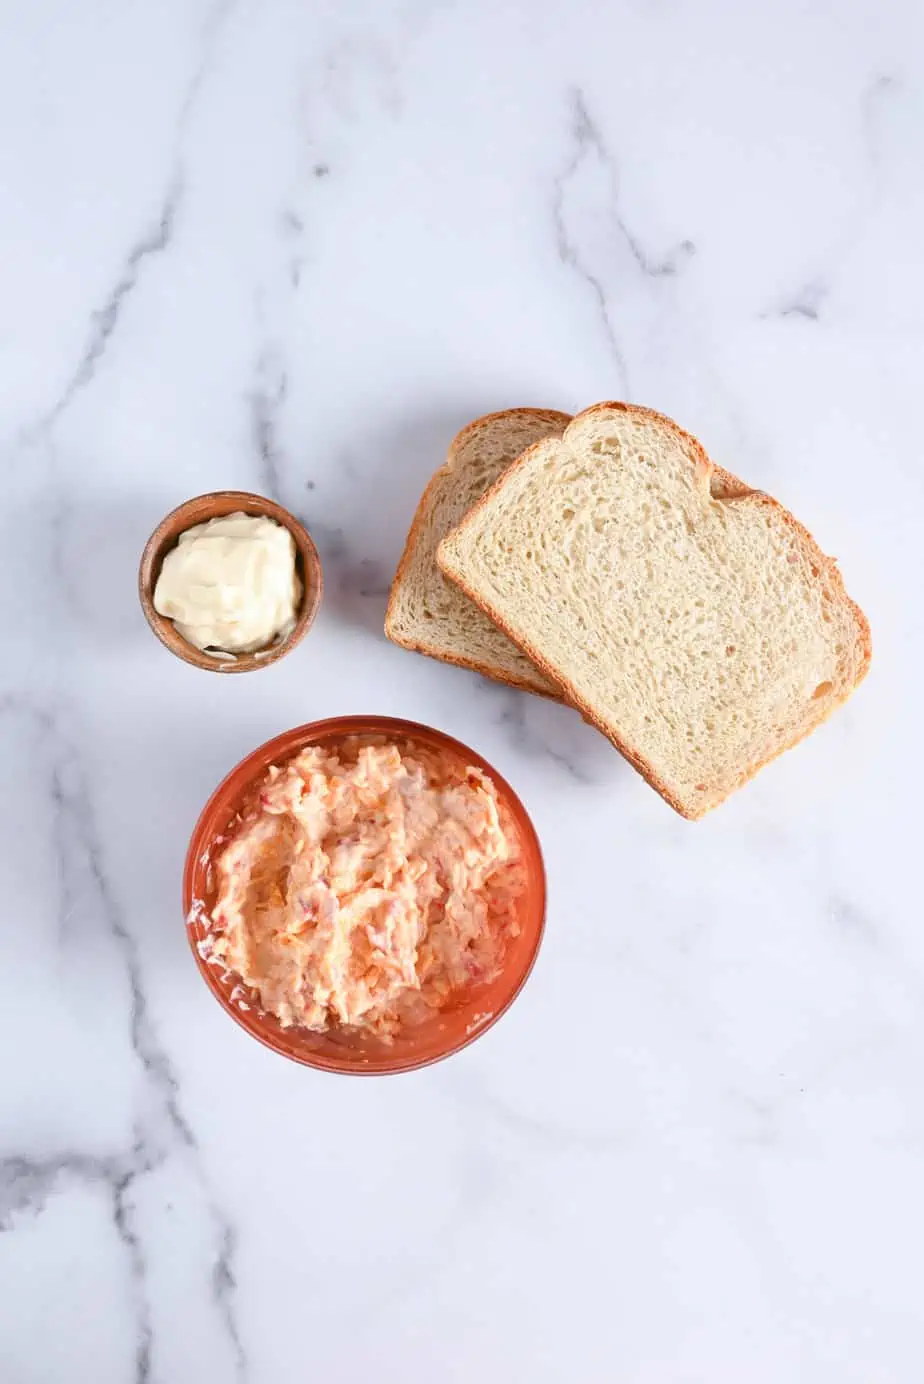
<point x="293" y="248"/>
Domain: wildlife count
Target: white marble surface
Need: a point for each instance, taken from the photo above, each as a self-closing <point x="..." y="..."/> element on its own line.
<point x="293" y="247"/>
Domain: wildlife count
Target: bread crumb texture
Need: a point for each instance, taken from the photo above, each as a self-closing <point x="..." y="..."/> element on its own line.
<point x="426" y="612"/>
<point x="695" y="621"/>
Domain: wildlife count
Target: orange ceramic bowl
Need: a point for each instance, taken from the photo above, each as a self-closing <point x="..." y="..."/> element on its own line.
<point x="474" y="1010"/>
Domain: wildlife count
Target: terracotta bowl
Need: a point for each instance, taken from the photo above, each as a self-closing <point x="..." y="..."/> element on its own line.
<point x="215" y="506"/>
<point x="453" y="1028"/>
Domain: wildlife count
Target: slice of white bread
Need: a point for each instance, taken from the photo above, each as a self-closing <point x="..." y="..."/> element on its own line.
<point x="426" y="612"/>
<point x="693" y="620"/>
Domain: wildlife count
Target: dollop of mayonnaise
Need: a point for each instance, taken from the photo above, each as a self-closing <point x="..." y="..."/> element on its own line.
<point x="231" y="584"/>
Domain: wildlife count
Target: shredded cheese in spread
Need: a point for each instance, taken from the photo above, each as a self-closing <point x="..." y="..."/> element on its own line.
<point x="366" y="888"/>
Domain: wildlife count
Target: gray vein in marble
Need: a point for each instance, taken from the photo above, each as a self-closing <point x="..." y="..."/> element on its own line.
<point x="360" y="63"/>
<point x="584" y="138"/>
<point x="856" y="925"/>
<point x="66" y="900"/>
<point x="883" y="87"/>
<point x="58" y="514"/>
<point x="756" y="1121"/>
<point x="105" y="319"/>
<point x="553" y="1134"/>
<point x="224" y="1287"/>
<point x="807" y="303"/>
<point x="665" y="267"/>
<point x="266" y="399"/>
<point x="266" y="403"/>
<point x="26" y="1183"/>
<point x="122" y="1219"/>
<point x="880" y="947"/>
<point x="523" y="738"/>
<point x="852" y="922"/>
<point x="346" y="573"/>
<point x="293" y="230"/>
<point x="77" y="839"/>
<point x="269" y="390"/>
<point x="212" y="28"/>
<point x="588" y="142"/>
<point x="157" y="238"/>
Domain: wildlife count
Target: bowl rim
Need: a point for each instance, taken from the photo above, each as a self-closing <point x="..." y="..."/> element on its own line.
<point x="249" y="502"/>
<point x="289" y="743"/>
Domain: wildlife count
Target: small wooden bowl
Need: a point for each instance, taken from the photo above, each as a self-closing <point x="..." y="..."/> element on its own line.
<point x="217" y="505"/>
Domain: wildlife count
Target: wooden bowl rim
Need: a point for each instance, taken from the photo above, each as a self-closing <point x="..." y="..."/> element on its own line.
<point x="198" y="510"/>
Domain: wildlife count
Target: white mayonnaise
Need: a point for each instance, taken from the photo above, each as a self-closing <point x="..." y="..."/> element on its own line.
<point x="231" y="584"/>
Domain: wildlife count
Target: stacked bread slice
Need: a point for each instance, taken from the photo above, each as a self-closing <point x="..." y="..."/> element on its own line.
<point x="609" y="561"/>
<point x="426" y="611"/>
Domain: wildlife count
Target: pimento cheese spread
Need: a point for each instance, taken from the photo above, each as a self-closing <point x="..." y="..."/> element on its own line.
<point x="366" y="887"/>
